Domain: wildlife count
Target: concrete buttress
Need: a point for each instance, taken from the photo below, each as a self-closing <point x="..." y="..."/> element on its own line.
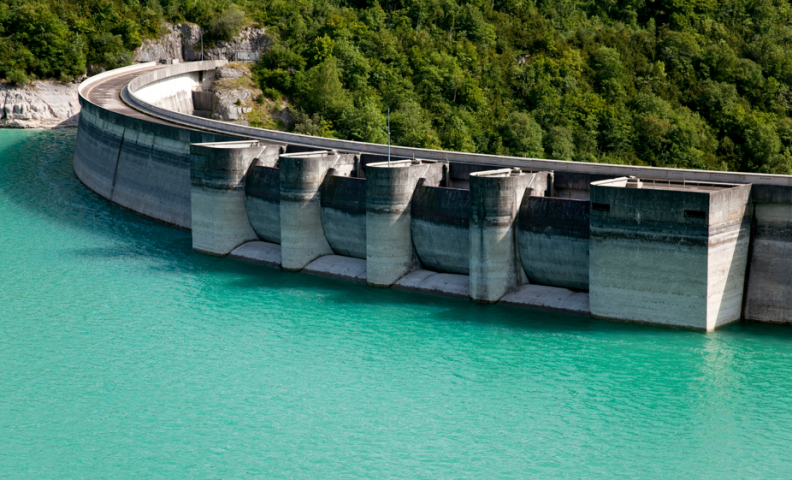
<point x="389" y="190"/>
<point x="495" y="198"/>
<point x="217" y="195"/>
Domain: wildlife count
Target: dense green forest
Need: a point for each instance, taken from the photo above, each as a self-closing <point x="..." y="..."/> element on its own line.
<point x="683" y="83"/>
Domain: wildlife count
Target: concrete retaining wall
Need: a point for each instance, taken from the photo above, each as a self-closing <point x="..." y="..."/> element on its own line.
<point x="553" y="241"/>
<point x="441" y="228"/>
<point x="343" y="214"/>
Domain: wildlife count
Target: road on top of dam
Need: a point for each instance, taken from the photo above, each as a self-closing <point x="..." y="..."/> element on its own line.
<point x="106" y="93"/>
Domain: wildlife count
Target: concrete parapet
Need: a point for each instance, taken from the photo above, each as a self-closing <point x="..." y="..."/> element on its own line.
<point x="440" y="228"/>
<point x="669" y="253"/>
<point x="389" y="191"/>
<point x="301" y="177"/>
<point x="553" y="240"/>
<point x="495" y="198"/>
<point x="343" y="212"/>
<point x="769" y="292"/>
<point x="217" y="174"/>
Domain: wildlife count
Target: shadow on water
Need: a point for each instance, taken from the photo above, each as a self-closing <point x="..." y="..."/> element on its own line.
<point x="38" y="176"/>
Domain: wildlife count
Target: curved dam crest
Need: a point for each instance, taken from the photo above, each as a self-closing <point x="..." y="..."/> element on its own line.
<point x="690" y="249"/>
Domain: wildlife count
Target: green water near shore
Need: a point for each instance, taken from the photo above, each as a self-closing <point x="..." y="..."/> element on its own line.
<point x="125" y="354"/>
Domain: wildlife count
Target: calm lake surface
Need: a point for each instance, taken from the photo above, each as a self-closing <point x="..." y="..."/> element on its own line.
<point x="125" y="354"/>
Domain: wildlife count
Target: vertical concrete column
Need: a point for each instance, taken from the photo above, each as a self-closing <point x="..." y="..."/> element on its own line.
<point x="389" y="191"/>
<point x="495" y="198"/>
<point x="302" y="237"/>
<point x="217" y="195"/>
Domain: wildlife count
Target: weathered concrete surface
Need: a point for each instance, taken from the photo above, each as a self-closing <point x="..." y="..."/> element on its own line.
<point x="440" y="227"/>
<point x="495" y="199"/>
<point x="389" y="191"/>
<point x="432" y="282"/>
<point x="343" y="214"/>
<point x="548" y="298"/>
<point x="262" y="201"/>
<point x="301" y="176"/>
<point x="769" y="292"/>
<point x="217" y="172"/>
<point x="337" y="266"/>
<point x="143" y="166"/>
<point x="575" y="185"/>
<point x="264" y="253"/>
<point x="553" y="240"/>
<point x="672" y="257"/>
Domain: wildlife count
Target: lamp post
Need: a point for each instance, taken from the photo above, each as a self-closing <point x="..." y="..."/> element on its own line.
<point x="388" y="137"/>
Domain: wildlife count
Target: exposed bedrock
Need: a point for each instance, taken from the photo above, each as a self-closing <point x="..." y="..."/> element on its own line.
<point x="553" y="240"/>
<point x="440" y="228"/>
<point x="217" y="173"/>
<point x="670" y="257"/>
<point x="301" y="176"/>
<point x="389" y="192"/>
<point x="495" y="198"/>
<point x="343" y="213"/>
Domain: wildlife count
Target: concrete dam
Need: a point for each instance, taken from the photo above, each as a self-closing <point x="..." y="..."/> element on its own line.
<point x="683" y="248"/>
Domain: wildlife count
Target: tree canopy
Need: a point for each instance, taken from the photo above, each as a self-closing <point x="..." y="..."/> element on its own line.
<point x="688" y="84"/>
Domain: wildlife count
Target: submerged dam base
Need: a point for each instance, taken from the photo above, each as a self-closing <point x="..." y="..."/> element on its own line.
<point x="688" y="249"/>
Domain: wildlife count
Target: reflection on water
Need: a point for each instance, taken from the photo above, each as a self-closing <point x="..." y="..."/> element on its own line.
<point x="124" y="353"/>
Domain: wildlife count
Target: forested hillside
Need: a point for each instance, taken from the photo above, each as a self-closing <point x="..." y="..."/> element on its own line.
<point x="683" y="83"/>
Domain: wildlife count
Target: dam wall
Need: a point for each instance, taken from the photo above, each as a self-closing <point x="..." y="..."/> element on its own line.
<point x="440" y="228"/>
<point x="690" y="249"/>
<point x="140" y="165"/>
<point x="343" y="213"/>
<point x="553" y="241"/>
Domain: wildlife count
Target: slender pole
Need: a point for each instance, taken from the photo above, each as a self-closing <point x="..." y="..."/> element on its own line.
<point x="388" y="137"/>
<point x="202" y="44"/>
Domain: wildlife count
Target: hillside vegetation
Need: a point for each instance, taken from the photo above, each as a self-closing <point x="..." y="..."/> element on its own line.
<point x="682" y="83"/>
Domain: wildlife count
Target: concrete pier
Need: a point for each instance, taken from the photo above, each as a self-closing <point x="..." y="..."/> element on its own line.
<point x="668" y="253"/>
<point x="301" y="176"/>
<point x="495" y="198"/>
<point x="389" y="191"/>
<point x="217" y="195"/>
<point x="302" y="237"/>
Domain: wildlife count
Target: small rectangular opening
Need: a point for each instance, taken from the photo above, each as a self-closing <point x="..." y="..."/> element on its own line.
<point x="600" y="207"/>
<point x="695" y="214"/>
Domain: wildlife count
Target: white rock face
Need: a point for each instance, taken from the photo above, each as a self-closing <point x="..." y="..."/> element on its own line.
<point x="167" y="47"/>
<point x="182" y="42"/>
<point x="43" y="104"/>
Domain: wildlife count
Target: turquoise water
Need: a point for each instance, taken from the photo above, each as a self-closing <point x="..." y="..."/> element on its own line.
<point x="125" y="354"/>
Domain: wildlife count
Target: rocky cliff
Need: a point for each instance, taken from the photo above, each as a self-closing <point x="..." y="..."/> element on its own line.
<point x="43" y="104"/>
<point x="182" y="42"/>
